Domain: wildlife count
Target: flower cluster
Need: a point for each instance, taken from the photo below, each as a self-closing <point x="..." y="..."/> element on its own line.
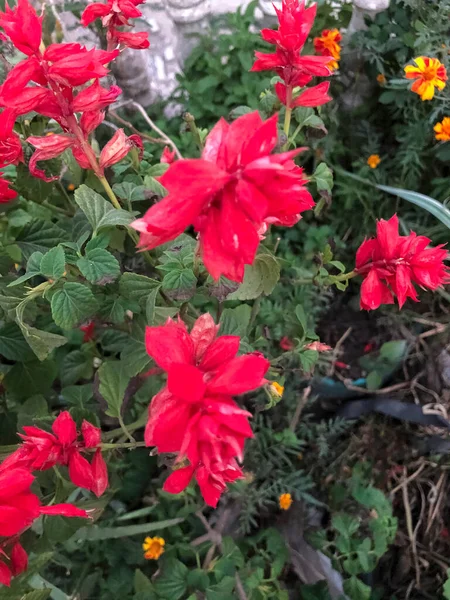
<point x="230" y="195"/>
<point x="296" y="71"/>
<point x="392" y="263"/>
<point x="45" y="83"/>
<point x="328" y="44"/>
<point x="43" y="450"/>
<point x="429" y="73"/>
<point x="115" y="14"/>
<point x="19" y="508"/>
<point x="194" y="415"/>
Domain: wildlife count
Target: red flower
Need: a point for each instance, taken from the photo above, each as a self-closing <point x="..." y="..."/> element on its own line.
<point x="88" y="331"/>
<point x="137" y="40"/>
<point x="295" y="22"/>
<point x="229" y="194"/>
<point x="314" y="96"/>
<point x="42" y="450"/>
<point x="13" y="560"/>
<point x="195" y="415"/>
<point x="48" y="147"/>
<point x="118" y="147"/>
<point x="168" y="156"/>
<point x="22" y="25"/>
<point x="6" y="194"/>
<point x="95" y="97"/>
<point x="392" y="263"/>
<point x="10" y="147"/>
<point x="19" y="507"/>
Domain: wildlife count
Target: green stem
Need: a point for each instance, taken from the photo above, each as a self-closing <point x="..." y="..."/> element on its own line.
<point x="66" y="197"/>
<point x="124" y="445"/>
<point x="345" y="276"/>
<point x="125" y="430"/>
<point x="287" y="116"/>
<point x="110" y="193"/>
<point x="192" y="125"/>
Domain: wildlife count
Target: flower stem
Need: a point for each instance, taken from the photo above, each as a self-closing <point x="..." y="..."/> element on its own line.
<point x="110" y="193"/>
<point x="125" y="430"/>
<point x="287" y="116"/>
<point x="345" y="276"/>
<point x="124" y="445"/>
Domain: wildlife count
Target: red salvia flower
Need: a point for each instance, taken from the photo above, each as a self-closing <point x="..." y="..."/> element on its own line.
<point x="295" y="22"/>
<point x="116" y="13"/>
<point x="118" y="147"/>
<point x="6" y="193"/>
<point x="10" y="147"/>
<point x="23" y="27"/>
<point x="168" y="156"/>
<point x="13" y="560"/>
<point x="195" y="415"/>
<point x="391" y="264"/>
<point x="89" y="331"/>
<point x="229" y="194"/>
<point x="42" y="450"/>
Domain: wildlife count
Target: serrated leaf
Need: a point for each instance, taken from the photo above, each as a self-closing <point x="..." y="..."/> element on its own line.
<point x="235" y="321"/>
<point x="76" y="365"/>
<point x="72" y="304"/>
<point x="137" y="287"/>
<point x="356" y="589"/>
<point x="150" y="306"/>
<point x="30" y="378"/>
<point x="98" y="211"/>
<point x="13" y="345"/>
<point x="99" y="266"/>
<point x="180" y="284"/>
<point x="41" y="342"/>
<point x="53" y="263"/>
<point x="323" y="176"/>
<point x="134" y="357"/>
<point x="33" y="269"/>
<point x="152" y="185"/>
<point x="129" y="191"/>
<point x="260" y="278"/>
<point x="112" y="309"/>
<point x="39" y="236"/>
<point x="114" y="381"/>
<point x="171" y="583"/>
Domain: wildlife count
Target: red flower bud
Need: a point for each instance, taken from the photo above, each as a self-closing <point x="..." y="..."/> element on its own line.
<point x="118" y="147"/>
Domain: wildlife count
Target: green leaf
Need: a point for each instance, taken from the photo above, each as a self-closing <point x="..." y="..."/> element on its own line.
<point x="134" y="357"/>
<point x="97" y="532"/>
<point x="315" y="591"/>
<point x="41" y="342"/>
<point x="437" y="209"/>
<point x="260" y="278"/>
<point x="235" y="321"/>
<point x="356" y="589"/>
<point x="198" y="580"/>
<point x="150" y="306"/>
<point x="393" y="351"/>
<point x="129" y="191"/>
<point x="447" y="586"/>
<point x="31" y="410"/>
<point x="302" y="319"/>
<point x="75" y="366"/>
<point x="345" y="524"/>
<point x="13" y="345"/>
<point x="72" y="304"/>
<point x="37" y="595"/>
<point x="98" y="211"/>
<point x="99" y="266"/>
<point x="171" y="583"/>
<point x="152" y="185"/>
<point x="33" y="269"/>
<point x="180" y="284"/>
<point x="323" y="176"/>
<point x="53" y="263"/>
<point x="137" y="287"/>
<point x="113" y="309"/>
<point x="141" y="582"/>
<point x="374" y="381"/>
<point x="114" y="381"/>
<point x="39" y="236"/>
<point x="30" y="378"/>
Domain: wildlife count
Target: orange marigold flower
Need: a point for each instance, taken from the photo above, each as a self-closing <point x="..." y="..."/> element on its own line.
<point x="373" y="161"/>
<point x="71" y="187"/>
<point x="442" y="129"/>
<point x="429" y="73"/>
<point x="285" y="501"/>
<point x="276" y="389"/>
<point x="328" y="45"/>
<point x="381" y="79"/>
<point x="153" y="547"/>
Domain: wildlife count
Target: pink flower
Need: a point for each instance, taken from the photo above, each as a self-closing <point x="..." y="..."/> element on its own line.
<point x="195" y="415"/>
<point x="391" y="264"/>
<point x="168" y="156"/>
<point x="228" y="195"/>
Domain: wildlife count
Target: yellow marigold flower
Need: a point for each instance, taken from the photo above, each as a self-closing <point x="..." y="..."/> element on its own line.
<point x="381" y="79"/>
<point x="373" y="161"/>
<point x="285" y="501"/>
<point x="328" y="45"/>
<point x="442" y="129"/>
<point x="429" y="73"/>
<point x="71" y="187"/>
<point x="276" y="389"/>
<point x="153" y="547"/>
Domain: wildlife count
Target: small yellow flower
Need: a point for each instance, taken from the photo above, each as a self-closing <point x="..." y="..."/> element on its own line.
<point x="373" y="161"/>
<point x="49" y="133"/>
<point x="381" y="79"/>
<point x="71" y="187"/>
<point x="153" y="547"/>
<point x="428" y="74"/>
<point x="300" y="456"/>
<point x="276" y="389"/>
<point x="285" y="501"/>
<point x="442" y="130"/>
